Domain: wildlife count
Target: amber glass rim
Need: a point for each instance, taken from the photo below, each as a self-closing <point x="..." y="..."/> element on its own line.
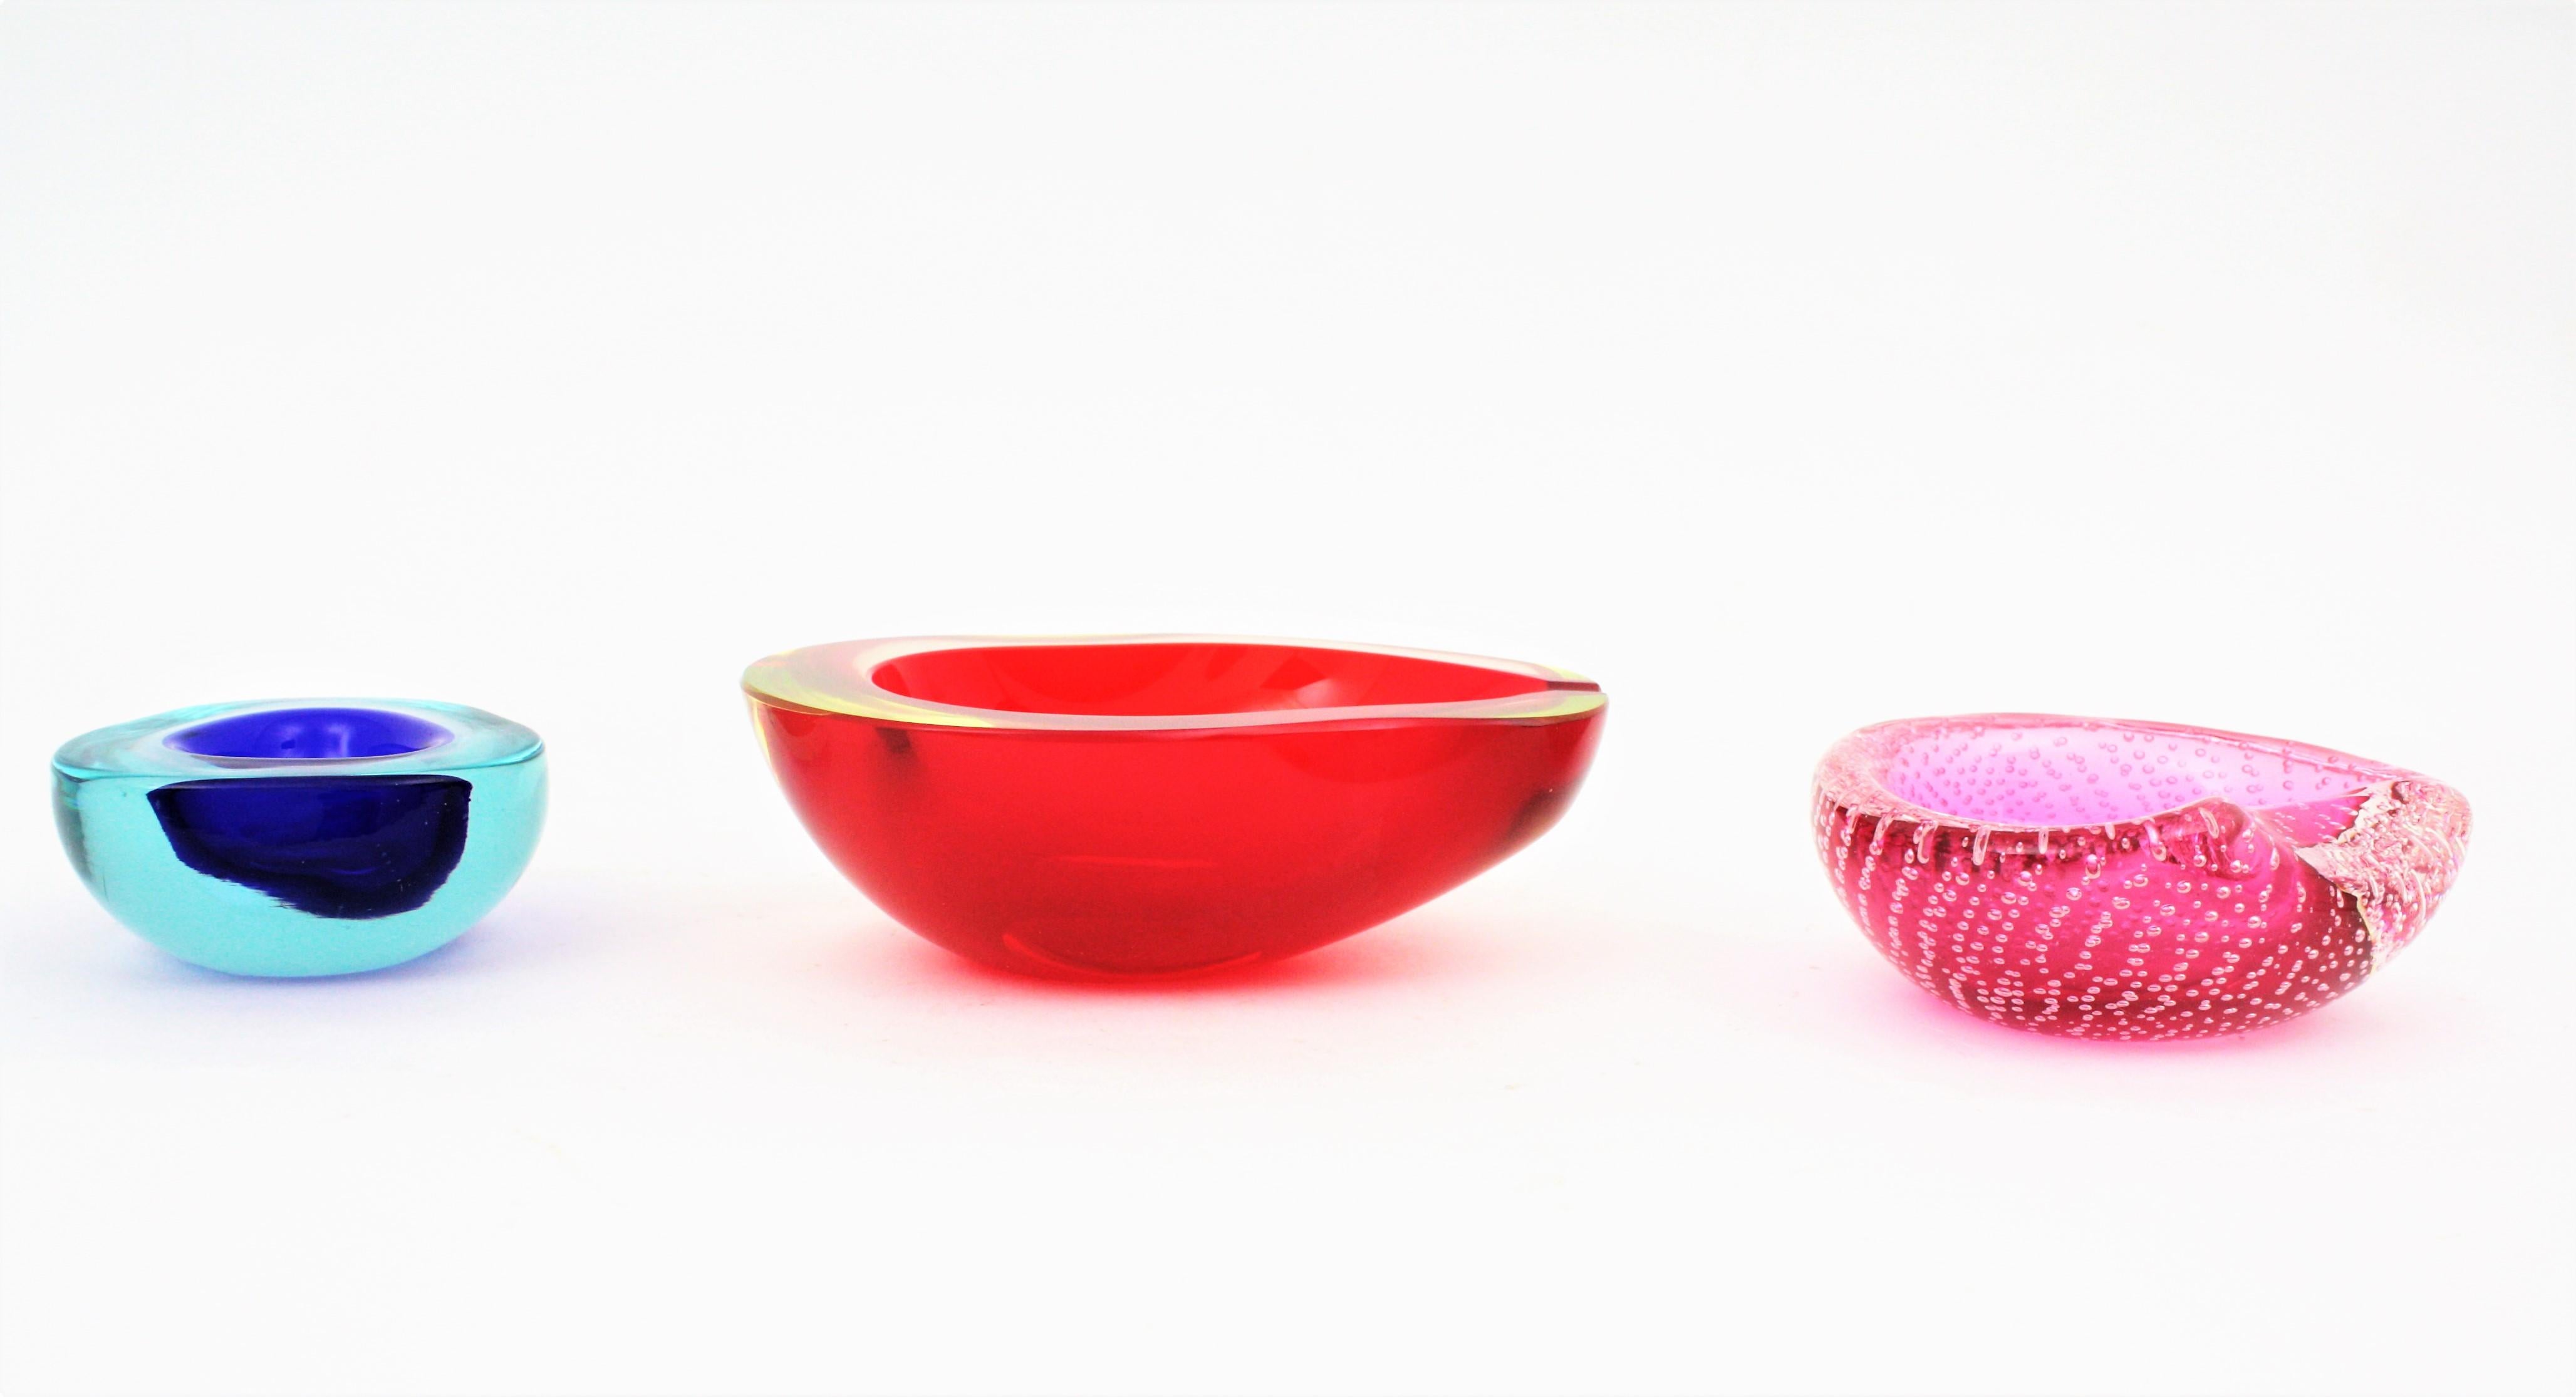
<point x="840" y="678"/>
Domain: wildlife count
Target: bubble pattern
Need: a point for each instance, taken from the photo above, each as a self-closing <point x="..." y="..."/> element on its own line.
<point x="2128" y="880"/>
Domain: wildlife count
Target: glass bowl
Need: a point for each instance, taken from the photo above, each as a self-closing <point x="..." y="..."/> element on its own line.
<point x="1163" y="805"/>
<point x="2107" y="879"/>
<point x="302" y="837"/>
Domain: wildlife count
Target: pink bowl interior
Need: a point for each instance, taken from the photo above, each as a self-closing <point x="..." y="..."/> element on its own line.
<point x="2055" y="773"/>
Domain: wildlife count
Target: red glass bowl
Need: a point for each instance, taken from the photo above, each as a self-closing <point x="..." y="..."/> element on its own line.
<point x="2107" y="879"/>
<point x="1164" y="805"/>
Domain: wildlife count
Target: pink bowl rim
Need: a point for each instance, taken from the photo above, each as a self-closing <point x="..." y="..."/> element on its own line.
<point x="1852" y="772"/>
<point x="839" y="678"/>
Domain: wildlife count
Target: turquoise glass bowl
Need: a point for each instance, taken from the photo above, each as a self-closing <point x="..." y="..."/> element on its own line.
<point x="302" y="837"/>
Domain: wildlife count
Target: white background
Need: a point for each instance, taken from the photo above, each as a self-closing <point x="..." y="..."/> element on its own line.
<point x="1784" y="369"/>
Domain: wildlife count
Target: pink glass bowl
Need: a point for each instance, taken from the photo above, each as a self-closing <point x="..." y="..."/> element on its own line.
<point x="2106" y="879"/>
<point x="1163" y="805"/>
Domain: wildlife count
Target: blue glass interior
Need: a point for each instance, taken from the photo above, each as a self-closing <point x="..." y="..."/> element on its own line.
<point x="309" y="734"/>
<point x="331" y="846"/>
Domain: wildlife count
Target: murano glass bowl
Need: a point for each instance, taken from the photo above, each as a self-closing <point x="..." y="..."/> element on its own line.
<point x="2127" y="880"/>
<point x="1163" y="805"/>
<point x="302" y="837"/>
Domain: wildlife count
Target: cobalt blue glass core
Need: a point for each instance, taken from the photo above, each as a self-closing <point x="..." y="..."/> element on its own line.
<point x="278" y="734"/>
<point x="295" y="838"/>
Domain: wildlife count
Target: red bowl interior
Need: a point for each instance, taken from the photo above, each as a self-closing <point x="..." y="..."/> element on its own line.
<point x="1174" y="678"/>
